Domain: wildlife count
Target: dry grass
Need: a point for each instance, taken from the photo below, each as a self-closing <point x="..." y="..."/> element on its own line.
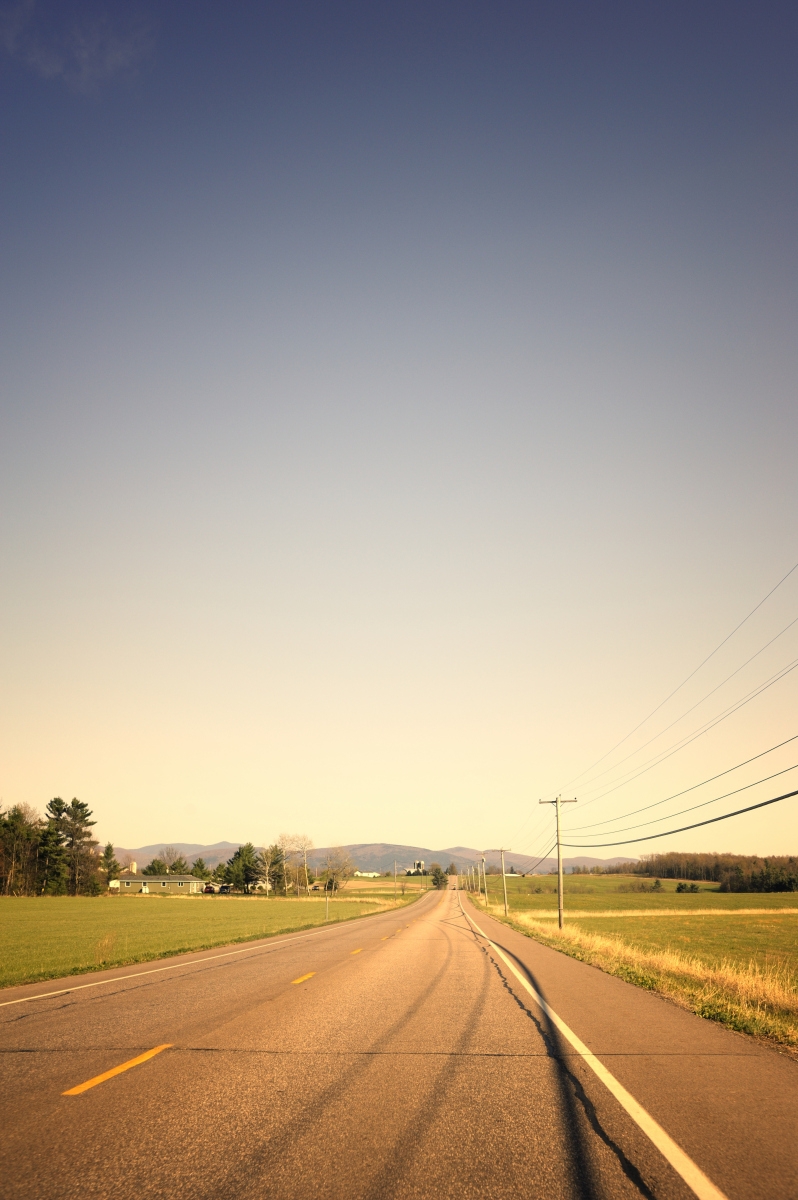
<point x="762" y="1001"/>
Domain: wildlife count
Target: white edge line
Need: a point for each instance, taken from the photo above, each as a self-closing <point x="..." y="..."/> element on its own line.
<point x="77" y="987"/>
<point x="693" y="1176"/>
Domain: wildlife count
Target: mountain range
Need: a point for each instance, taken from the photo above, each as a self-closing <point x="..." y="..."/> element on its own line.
<point x="374" y="856"/>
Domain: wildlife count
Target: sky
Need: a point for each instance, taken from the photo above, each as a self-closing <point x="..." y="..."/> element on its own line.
<point x="398" y="404"/>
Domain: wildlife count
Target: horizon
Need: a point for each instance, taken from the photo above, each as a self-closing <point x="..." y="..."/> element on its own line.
<point x="399" y="418"/>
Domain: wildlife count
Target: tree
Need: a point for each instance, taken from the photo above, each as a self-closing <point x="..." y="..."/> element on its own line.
<point x="219" y="873"/>
<point x="156" y="867"/>
<point x="287" y="844"/>
<point x="243" y="867"/>
<point x="175" y="862"/>
<point x="108" y="864"/>
<point x="52" y="877"/>
<point x="439" y="878"/>
<point x="338" y="868"/>
<point x="200" y="870"/>
<point x="271" y="868"/>
<point x="304" y="846"/>
<point x="21" y="830"/>
<point x="451" y="869"/>
<point x="74" y="822"/>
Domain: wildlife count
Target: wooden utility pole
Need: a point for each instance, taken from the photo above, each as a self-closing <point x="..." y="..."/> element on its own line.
<point x="559" y="800"/>
<point x="503" y="850"/>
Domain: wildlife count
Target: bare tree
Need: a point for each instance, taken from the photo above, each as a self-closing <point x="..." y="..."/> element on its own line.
<point x="170" y="856"/>
<point x="304" y="846"/>
<point x="287" y="844"/>
<point x="339" y="868"/>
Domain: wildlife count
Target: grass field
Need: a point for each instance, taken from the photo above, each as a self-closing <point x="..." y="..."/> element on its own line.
<point x="62" y="935"/>
<point x="612" y="893"/>
<point x="730" y="957"/>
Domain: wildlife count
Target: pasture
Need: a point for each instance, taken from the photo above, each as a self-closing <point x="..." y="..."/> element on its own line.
<point x="47" y="937"/>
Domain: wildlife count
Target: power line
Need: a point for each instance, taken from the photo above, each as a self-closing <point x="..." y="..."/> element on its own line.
<point x="694" y="807"/>
<point x="536" y="838"/>
<point x="676" y="795"/>
<point x="712" y="821"/>
<point x="684" y="681"/>
<point x="690" y="738"/>
<point x="692" y="708"/>
<point x="542" y="858"/>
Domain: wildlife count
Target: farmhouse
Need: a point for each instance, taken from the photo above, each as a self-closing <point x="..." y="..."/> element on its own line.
<point x="164" y="885"/>
<point x="366" y="875"/>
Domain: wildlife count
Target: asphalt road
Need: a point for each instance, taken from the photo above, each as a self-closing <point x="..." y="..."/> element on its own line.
<point x="402" y="1055"/>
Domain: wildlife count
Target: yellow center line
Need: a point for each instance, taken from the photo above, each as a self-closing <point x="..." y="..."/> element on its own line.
<point x="134" y="1062"/>
<point x="385" y="939"/>
<point x="302" y="978"/>
<point x="357" y="951"/>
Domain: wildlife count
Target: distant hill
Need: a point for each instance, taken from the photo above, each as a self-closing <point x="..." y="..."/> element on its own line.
<point x="373" y="856"/>
<point x="142" y="855"/>
<point x="379" y="856"/>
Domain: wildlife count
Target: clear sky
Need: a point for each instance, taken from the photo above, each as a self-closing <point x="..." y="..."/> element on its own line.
<point x="398" y="403"/>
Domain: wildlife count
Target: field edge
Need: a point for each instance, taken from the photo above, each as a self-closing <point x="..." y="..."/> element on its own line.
<point x="156" y="956"/>
<point x="766" y="1028"/>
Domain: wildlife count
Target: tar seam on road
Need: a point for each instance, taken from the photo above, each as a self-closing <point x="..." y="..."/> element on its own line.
<point x="248" y="949"/>
<point x="134" y="1062"/>
<point x="690" y="1172"/>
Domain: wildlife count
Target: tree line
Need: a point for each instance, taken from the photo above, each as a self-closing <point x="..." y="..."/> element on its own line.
<point x="57" y="855"/>
<point x="733" y="872"/>
<point x="54" y="855"/>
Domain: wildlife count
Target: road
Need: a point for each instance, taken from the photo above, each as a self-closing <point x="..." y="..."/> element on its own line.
<point x="401" y="1055"/>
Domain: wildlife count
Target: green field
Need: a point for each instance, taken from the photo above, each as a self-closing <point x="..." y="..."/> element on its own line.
<point x="767" y="940"/>
<point x="49" y="937"/>
<point x="602" y="893"/>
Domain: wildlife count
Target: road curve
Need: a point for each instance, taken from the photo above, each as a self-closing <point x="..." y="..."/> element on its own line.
<point x="404" y="1055"/>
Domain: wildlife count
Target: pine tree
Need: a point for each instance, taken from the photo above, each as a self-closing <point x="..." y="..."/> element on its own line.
<point x="108" y="864"/>
<point x="74" y="822"/>
<point x="243" y="868"/>
<point x="200" y="869"/>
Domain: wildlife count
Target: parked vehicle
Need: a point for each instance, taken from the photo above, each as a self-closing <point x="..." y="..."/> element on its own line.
<point x="225" y="889"/>
<point x="209" y="890"/>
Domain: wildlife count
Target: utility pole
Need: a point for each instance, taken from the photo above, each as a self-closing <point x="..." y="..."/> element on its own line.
<point x="503" y="850"/>
<point x="394" y="881"/>
<point x="559" y="800"/>
<point x="484" y="881"/>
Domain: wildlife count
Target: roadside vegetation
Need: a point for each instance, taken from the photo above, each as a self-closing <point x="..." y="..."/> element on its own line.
<point x="726" y="956"/>
<point x="63" y="935"/>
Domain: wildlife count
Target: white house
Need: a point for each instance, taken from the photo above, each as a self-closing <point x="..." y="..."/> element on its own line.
<point x="366" y="875"/>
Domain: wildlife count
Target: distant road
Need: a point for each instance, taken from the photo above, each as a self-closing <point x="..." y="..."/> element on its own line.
<point x="399" y="1056"/>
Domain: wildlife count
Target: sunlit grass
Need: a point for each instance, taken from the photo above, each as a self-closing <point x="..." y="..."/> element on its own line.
<point x="49" y="937"/>
<point x="735" y="967"/>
